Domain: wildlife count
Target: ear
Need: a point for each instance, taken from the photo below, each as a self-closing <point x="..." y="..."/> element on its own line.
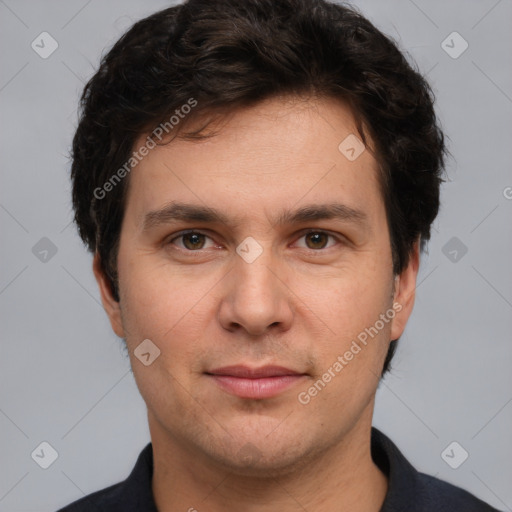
<point x="405" y="292"/>
<point x="111" y="306"/>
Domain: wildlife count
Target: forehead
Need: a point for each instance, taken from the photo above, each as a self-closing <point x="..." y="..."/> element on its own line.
<point x="280" y="153"/>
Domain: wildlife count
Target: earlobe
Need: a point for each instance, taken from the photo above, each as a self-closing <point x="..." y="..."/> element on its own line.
<point x="110" y="304"/>
<point x="405" y="292"/>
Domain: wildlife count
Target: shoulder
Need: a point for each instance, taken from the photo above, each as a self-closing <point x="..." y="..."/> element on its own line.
<point x="105" y="499"/>
<point x="412" y="491"/>
<point x="131" y="495"/>
<point x="445" y="497"/>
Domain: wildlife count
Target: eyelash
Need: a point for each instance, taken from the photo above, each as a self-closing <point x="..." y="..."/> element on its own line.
<point x="192" y="231"/>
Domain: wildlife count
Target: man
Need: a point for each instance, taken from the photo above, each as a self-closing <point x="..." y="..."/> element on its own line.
<point x="256" y="180"/>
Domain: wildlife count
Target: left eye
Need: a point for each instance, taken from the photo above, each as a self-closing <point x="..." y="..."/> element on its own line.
<point x="194" y="240"/>
<point x="318" y="239"/>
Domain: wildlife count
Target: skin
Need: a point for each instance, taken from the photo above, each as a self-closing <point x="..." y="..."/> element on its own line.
<point x="299" y="305"/>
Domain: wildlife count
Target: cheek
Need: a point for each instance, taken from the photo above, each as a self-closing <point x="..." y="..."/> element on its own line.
<point x="352" y="300"/>
<point x="356" y="338"/>
<point x="156" y="308"/>
<point x="162" y="305"/>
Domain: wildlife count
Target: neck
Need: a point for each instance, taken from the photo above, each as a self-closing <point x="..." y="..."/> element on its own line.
<point x="184" y="479"/>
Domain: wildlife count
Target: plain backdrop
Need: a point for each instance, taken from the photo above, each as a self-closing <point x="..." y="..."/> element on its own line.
<point x="65" y="378"/>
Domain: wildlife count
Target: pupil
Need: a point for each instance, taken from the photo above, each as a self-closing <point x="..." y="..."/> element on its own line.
<point x="315" y="237"/>
<point x="193" y="238"/>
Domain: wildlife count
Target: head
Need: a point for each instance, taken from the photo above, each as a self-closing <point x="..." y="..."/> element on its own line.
<point x="246" y="111"/>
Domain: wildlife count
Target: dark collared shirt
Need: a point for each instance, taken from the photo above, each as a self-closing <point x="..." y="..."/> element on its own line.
<point x="408" y="490"/>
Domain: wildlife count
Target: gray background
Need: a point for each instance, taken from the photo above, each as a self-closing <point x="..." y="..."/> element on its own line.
<point x="65" y="378"/>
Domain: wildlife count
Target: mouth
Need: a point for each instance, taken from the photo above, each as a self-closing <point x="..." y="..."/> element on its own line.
<point x="255" y="383"/>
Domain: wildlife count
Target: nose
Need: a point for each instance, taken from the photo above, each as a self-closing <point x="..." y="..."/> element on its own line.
<point x="257" y="297"/>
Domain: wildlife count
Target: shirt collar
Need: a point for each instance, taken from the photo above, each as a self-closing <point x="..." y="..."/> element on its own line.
<point x="402" y="476"/>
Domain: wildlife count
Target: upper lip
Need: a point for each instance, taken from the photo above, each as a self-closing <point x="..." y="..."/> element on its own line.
<point x="253" y="373"/>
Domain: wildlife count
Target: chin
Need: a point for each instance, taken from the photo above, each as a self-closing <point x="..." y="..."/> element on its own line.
<point x="257" y="457"/>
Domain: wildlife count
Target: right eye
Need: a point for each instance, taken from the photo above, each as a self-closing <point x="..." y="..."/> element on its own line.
<point x="191" y="240"/>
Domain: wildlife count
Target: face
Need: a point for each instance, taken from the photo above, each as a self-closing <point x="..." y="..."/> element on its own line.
<point x="291" y="267"/>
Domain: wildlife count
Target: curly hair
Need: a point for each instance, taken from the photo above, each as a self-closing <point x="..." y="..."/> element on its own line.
<point x="227" y="54"/>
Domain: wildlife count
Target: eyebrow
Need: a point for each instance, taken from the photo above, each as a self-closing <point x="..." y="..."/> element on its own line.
<point x="184" y="212"/>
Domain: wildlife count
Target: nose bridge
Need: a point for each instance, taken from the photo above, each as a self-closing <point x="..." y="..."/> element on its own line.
<point x="255" y="273"/>
<point x="257" y="297"/>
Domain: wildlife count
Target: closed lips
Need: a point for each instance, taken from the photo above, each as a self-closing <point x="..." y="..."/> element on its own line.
<point x="246" y="372"/>
<point x="255" y="383"/>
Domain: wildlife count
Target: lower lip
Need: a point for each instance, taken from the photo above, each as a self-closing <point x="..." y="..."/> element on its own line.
<point x="265" y="387"/>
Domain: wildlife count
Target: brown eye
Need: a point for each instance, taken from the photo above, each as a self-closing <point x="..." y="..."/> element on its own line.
<point x="317" y="239"/>
<point x="192" y="241"/>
